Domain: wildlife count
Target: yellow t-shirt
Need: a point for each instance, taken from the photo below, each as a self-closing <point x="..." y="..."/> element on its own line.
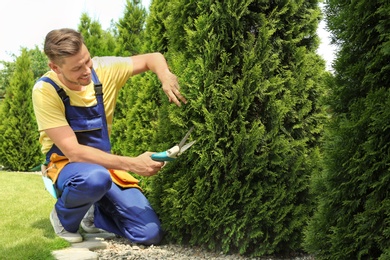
<point x="113" y="72"/>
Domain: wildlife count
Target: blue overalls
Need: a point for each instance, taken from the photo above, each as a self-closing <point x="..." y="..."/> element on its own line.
<point x="125" y="212"/>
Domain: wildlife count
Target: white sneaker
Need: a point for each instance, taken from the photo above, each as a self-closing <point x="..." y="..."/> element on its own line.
<point x="60" y="230"/>
<point x="87" y="224"/>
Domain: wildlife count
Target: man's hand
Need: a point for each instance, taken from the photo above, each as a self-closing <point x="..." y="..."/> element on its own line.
<point x="157" y="63"/>
<point x="171" y="88"/>
<point x="144" y="165"/>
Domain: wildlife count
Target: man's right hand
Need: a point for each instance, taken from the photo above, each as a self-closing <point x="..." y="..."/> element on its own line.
<point x="143" y="165"/>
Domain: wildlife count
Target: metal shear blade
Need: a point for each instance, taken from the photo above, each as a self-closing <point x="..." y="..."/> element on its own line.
<point x="182" y="142"/>
<point x="182" y="146"/>
<point x="185" y="147"/>
<point x="172" y="153"/>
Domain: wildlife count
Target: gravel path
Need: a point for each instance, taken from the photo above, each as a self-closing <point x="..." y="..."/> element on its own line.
<point x="121" y="249"/>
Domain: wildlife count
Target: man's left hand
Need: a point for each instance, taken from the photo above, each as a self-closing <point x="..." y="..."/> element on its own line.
<point x="171" y="88"/>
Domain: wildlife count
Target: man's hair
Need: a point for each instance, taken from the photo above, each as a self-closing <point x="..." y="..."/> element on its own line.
<point x="62" y="43"/>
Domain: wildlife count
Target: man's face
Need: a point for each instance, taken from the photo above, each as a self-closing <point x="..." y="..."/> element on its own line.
<point x="75" y="71"/>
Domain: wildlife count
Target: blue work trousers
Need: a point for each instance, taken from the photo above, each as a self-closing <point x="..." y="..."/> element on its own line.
<point x="125" y="212"/>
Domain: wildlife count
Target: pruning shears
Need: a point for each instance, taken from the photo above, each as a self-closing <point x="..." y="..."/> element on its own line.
<point x="172" y="153"/>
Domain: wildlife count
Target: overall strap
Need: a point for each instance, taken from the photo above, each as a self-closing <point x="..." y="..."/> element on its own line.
<point x="96" y="81"/>
<point x="98" y="86"/>
<point x="60" y="91"/>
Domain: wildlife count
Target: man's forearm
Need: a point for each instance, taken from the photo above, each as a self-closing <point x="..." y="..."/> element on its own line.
<point x="142" y="165"/>
<point x="89" y="154"/>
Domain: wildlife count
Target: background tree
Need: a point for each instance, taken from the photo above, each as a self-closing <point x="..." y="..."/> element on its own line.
<point x="352" y="217"/>
<point x="39" y="62"/>
<point x="5" y="75"/>
<point x="136" y="107"/>
<point x="19" y="147"/>
<point x="39" y="66"/>
<point x="131" y="29"/>
<point x="99" y="42"/>
<point x="155" y="31"/>
<point x="253" y="80"/>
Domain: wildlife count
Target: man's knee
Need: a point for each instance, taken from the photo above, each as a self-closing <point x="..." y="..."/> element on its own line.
<point x="83" y="183"/>
<point x="99" y="180"/>
<point x="151" y="234"/>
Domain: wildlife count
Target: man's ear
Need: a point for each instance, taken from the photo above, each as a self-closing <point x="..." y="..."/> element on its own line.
<point x="54" y="67"/>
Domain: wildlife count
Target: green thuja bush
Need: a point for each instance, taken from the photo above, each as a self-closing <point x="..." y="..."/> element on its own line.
<point x="250" y="72"/>
<point x="352" y="216"/>
<point x="19" y="147"/>
<point x="134" y="109"/>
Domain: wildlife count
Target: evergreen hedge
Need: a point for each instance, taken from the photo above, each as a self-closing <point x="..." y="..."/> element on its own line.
<point x="254" y="82"/>
<point x="352" y="216"/>
<point x="19" y="147"/>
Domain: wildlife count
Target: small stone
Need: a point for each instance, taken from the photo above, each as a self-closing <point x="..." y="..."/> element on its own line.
<point x="75" y="254"/>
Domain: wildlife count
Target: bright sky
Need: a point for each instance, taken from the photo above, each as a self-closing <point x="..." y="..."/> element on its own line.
<point x="25" y="23"/>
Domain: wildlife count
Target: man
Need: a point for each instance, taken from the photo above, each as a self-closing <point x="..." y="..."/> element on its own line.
<point x="74" y="114"/>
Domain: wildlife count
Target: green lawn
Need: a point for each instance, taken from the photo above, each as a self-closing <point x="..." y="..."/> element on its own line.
<point x="25" y="229"/>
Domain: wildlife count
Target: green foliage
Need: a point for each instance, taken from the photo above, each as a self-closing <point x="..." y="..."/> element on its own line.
<point x="254" y="82"/>
<point x="136" y="107"/>
<point x="19" y="147"/>
<point x="131" y="29"/>
<point x="99" y="42"/>
<point x="39" y="62"/>
<point x="155" y="36"/>
<point x="138" y="126"/>
<point x="352" y="217"/>
<point x="5" y="75"/>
